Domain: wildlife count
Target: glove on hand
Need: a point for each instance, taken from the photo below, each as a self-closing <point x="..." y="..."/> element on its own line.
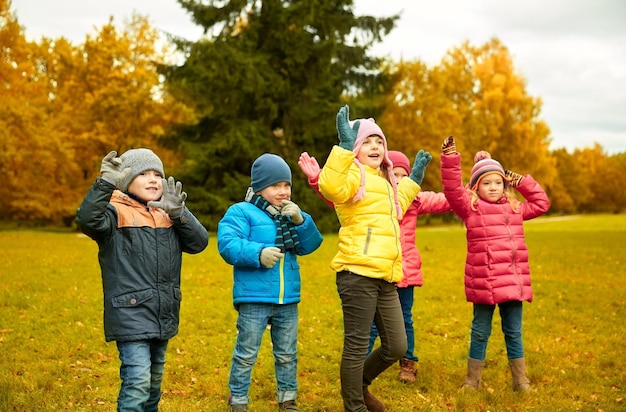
<point x="173" y="199"/>
<point x="449" y="146"/>
<point x="270" y="255"/>
<point x="309" y="166"/>
<point x="293" y="211"/>
<point x="347" y="134"/>
<point x="421" y="161"/>
<point x="513" y="178"/>
<point x="111" y="169"/>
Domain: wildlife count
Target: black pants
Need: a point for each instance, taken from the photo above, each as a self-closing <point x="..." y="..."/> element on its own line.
<point x="364" y="300"/>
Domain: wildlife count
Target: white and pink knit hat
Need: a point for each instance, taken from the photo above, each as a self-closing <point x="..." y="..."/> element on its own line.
<point x="367" y="128"/>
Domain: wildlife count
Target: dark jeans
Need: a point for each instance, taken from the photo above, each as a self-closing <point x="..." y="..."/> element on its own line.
<point x="511" y="315"/>
<point x="406" y="302"/>
<point x="364" y="300"/>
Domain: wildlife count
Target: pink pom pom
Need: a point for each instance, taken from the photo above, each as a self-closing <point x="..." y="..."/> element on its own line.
<point x="482" y="155"/>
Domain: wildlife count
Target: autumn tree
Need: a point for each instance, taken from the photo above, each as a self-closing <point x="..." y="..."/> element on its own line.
<point x="35" y="164"/>
<point x="565" y="191"/>
<point x="476" y="95"/>
<point x="419" y="114"/>
<point x="269" y="77"/>
<point x="64" y="107"/>
<point x="592" y="189"/>
<point x="108" y="96"/>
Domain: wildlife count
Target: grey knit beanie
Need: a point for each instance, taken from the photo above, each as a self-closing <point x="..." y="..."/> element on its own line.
<point x="269" y="169"/>
<point x="139" y="161"/>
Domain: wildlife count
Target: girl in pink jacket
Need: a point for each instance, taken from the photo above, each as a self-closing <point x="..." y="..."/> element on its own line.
<point x="496" y="267"/>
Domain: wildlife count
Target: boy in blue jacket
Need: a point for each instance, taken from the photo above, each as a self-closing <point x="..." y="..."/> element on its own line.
<point x="262" y="237"/>
<point x="142" y="228"/>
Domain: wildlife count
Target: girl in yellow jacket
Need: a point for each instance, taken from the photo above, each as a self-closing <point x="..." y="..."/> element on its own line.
<point x="358" y="179"/>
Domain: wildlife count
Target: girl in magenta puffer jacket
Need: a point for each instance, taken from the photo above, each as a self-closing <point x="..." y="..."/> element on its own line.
<point x="496" y="267"/>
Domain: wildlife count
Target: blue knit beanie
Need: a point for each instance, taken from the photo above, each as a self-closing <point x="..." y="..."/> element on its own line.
<point x="269" y="169"/>
<point x="139" y="161"/>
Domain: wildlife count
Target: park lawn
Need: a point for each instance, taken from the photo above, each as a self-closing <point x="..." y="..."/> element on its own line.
<point x="53" y="354"/>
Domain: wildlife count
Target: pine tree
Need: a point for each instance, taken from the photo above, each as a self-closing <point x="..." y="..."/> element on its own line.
<point x="269" y="77"/>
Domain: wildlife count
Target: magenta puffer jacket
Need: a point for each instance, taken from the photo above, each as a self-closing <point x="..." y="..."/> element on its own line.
<point x="425" y="202"/>
<point x="496" y="265"/>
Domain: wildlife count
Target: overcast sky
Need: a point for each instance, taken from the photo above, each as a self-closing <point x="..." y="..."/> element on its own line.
<point x="571" y="53"/>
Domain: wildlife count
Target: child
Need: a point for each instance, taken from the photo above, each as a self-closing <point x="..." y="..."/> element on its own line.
<point x="497" y="271"/>
<point x="425" y="202"/>
<point x="142" y="229"/>
<point x="262" y="237"/>
<point x="358" y="179"/>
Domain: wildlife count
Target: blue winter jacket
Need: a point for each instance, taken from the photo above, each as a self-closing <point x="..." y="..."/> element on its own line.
<point x="241" y="235"/>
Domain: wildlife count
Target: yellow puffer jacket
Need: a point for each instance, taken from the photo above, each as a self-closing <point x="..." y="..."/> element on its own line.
<point x="369" y="237"/>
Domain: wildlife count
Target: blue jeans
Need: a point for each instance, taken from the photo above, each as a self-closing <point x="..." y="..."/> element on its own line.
<point x="511" y="315"/>
<point x="251" y="323"/>
<point x="141" y="373"/>
<point x="364" y="300"/>
<point x="406" y="302"/>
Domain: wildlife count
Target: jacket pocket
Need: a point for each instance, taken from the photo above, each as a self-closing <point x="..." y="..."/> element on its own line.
<point x="368" y="237"/>
<point x="129" y="300"/>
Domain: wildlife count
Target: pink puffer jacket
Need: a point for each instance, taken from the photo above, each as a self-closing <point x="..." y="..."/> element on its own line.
<point x="496" y="266"/>
<point x="424" y="203"/>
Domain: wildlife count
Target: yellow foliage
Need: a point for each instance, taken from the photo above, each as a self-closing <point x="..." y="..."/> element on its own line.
<point x="64" y="107"/>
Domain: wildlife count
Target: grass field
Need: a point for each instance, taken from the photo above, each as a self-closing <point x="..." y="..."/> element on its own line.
<point x="53" y="356"/>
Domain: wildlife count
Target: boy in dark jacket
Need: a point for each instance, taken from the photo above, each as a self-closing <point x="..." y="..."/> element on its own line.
<point x="262" y="237"/>
<point x="142" y="226"/>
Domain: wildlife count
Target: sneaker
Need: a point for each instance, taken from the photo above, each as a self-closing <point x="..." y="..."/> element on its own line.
<point x="287" y="406"/>
<point x="239" y="408"/>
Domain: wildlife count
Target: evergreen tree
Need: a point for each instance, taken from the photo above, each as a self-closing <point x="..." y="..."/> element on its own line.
<point x="269" y="76"/>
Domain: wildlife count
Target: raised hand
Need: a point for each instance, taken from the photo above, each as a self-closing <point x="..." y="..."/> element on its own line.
<point x="513" y="178"/>
<point x="111" y="168"/>
<point x="419" y="167"/>
<point x="309" y="166"/>
<point x="173" y="199"/>
<point x="449" y="146"/>
<point x="347" y="134"/>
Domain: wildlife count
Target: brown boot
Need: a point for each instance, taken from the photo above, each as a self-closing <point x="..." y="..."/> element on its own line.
<point x="407" y="370"/>
<point x="372" y="404"/>
<point x="518" y="370"/>
<point x="474" y="372"/>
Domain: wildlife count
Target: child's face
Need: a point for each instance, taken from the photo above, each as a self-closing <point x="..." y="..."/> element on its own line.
<point x="372" y="151"/>
<point x="399" y="173"/>
<point x="491" y="187"/>
<point x="147" y="186"/>
<point x="276" y="193"/>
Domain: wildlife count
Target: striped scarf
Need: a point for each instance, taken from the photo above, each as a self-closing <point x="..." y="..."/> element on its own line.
<point x="286" y="235"/>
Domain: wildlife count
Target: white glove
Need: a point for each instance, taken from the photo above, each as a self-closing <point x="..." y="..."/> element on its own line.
<point x="293" y="211"/>
<point x="270" y="255"/>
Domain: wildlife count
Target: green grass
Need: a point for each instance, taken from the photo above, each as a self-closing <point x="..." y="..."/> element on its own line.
<point x="53" y="356"/>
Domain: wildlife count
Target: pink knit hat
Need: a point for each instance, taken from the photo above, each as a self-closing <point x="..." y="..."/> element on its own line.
<point x="484" y="165"/>
<point x="399" y="159"/>
<point x="367" y="128"/>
